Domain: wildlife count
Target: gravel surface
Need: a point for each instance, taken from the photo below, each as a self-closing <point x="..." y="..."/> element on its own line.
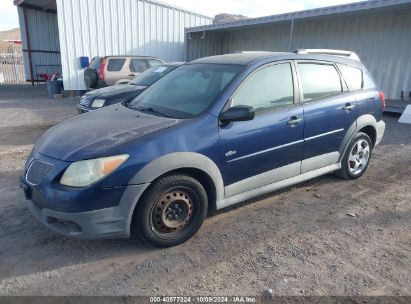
<point x="323" y="237"/>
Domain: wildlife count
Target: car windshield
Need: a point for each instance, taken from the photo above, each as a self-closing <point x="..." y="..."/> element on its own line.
<point x="187" y="91"/>
<point x="147" y="78"/>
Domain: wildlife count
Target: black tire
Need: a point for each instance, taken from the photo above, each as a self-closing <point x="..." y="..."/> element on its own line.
<point x="348" y="170"/>
<point x="154" y="226"/>
<point x="100" y="84"/>
<point x="90" y="78"/>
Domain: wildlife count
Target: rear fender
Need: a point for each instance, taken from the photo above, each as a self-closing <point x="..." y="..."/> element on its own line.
<point x="361" y="122"/>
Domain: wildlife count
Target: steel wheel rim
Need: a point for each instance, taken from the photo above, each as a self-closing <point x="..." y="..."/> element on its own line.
<point x="359" y="157"/>
<point x="172" y="211"/>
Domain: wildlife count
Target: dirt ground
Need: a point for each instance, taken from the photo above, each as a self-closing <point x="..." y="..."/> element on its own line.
<point x="323" y="237"/>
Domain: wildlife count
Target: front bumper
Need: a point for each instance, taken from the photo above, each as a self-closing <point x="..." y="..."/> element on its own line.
<point x="97" y="224"/>
<point x="380" y="127"/>
<point x="81" y="109"/>
<point x="111" y="222"/>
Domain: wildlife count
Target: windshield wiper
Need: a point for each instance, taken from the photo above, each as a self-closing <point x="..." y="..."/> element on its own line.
<point x="150" y="109"/>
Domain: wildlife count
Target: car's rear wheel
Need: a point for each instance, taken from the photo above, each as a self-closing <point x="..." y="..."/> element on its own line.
<point x="171" y="211"/>
<point x="356" y="158"/>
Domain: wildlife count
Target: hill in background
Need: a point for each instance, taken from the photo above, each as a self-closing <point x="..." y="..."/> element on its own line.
<point x="13" y="34"/>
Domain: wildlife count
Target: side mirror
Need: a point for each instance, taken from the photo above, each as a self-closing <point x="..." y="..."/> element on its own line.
<point x="237" y="113"/>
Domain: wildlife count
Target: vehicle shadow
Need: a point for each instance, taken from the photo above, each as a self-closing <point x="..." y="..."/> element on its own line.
<point x="27" y="247"/>
<point x="329" y="178"/>
<point x="22" y="134"/>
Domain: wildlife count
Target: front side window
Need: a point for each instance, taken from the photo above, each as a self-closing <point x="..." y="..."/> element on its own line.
<point x="268" y="88"/>
<point x="138" y="65"/>
<point x="319" y="80"/>
<point x="115" y="64"/>
<point x="186" y="91"/>
<point x="352" y="77"/>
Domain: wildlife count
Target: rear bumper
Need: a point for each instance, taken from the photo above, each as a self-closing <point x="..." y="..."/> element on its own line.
<point x="380" y="127"/>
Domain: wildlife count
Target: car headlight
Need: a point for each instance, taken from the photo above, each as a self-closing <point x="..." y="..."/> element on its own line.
<point x="98" y="103"/>
<point x="86" y="172"/>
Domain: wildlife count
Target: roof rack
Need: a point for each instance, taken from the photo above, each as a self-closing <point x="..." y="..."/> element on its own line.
<point x="341" y="53"/>
<point x="252" y="52"/>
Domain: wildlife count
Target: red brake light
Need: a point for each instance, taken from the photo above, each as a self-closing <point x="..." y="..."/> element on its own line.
<point x="101" y="70"/>
<point x="382" y="99"/>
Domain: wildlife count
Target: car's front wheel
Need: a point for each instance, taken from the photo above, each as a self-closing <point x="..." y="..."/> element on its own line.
<point x="171" y="211"/>
<point x="356" y="158"/>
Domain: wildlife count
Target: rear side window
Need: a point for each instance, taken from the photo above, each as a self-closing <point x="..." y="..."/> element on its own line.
<point x="153" y="62"/>
<point x="352" y="77"/>
<point x="138" y="65"/>
<point x="319" y="80"/>
<point x="95" y="63"/>
<point x="270" y="87"/>
<point x="115" y="64"/>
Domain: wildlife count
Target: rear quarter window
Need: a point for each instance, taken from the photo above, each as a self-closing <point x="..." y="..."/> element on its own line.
<point x="115" y="64"/>
<point x="353" y="77"/>
<point x="95" y="63"/>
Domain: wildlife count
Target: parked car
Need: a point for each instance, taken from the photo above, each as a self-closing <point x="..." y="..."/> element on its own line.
<point x="123" y="92"/>
<point x="111" y="70"/>
<point x="212" y="133"/>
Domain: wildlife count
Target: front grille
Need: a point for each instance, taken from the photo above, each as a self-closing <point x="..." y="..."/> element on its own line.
<point x="85" y="100"/>
<point x="37" y="171"/>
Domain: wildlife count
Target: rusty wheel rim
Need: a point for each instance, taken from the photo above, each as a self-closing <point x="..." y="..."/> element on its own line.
<point x="172" y="211"/>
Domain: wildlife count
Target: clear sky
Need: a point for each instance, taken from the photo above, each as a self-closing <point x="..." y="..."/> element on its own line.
<point x="251" y="8"/>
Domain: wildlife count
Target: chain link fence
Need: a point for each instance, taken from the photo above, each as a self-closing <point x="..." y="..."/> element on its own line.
<point x="11" y="64"/>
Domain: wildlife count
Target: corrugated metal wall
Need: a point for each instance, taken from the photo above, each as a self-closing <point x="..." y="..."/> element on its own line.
<point x="119" y="27"/>
<point x="44" y="41"/>
<point x="383" y="42"/>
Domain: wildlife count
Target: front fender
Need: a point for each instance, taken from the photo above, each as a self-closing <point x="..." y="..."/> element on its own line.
<point x="175" y="161"/>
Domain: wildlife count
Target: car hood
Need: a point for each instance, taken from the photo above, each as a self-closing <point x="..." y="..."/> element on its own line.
<point x="114" y="90"/>
<point x="91" y="135"/>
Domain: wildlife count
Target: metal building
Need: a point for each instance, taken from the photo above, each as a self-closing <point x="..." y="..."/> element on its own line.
<point x="55" y="33"/>
<point x="379" y="31"/>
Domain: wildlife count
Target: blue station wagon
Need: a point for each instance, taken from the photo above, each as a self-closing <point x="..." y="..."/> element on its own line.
<point x="212" y="133"/>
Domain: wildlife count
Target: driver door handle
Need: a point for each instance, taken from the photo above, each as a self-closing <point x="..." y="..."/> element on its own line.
<point x="294" y="120"/>
<point x="348" y="107"/>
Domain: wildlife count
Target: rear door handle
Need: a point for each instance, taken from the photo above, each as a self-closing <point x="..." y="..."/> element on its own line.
<point x="348" y="107"/>
<point x="294" y="120"/>
<point x="131" y="74"/>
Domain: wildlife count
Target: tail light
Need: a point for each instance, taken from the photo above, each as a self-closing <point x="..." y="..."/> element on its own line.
<point x="382" y="99"/>
<point x="101" y="70"/>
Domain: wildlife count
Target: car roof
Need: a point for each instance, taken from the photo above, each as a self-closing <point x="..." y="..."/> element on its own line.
<point x="240" y="58"/>
<point x="246" y="58"/>
<point x="133" y="57"/>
